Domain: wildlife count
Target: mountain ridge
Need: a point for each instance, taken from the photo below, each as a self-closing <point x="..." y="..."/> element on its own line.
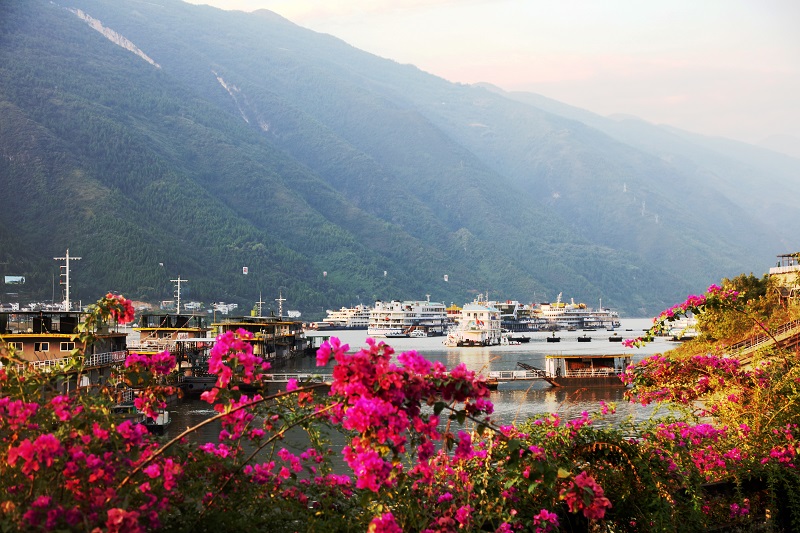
<point x="326" y="159"/>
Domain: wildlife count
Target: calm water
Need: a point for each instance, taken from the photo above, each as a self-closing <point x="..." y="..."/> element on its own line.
<point x="514" y="402"/>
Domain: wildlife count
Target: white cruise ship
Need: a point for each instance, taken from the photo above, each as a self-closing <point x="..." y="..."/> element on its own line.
<point x="399" y="319"/>
<point x="576" y="316"/>
<point x="348" y="318"/>
<point x="478" y="325"/>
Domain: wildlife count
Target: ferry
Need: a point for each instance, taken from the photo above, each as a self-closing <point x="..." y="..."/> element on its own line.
<point x="345" y="318"/>
<point x="572" y="316"/>
<point x="47" y="339"/>
<point x="397" y="319"/>
<point x="478" y="325"/>
<point x="585" y="370"/>
<point x="517" y="317"/>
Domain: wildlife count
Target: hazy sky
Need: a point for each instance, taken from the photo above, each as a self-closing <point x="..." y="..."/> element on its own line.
<point x="718" y="67"/>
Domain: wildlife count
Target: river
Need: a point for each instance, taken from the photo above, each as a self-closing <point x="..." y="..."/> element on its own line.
<point x="514" y="402"/>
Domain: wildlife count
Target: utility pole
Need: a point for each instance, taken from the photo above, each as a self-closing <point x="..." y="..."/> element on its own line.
<point x="178" y="292"/>
<point x="65" y="274"/>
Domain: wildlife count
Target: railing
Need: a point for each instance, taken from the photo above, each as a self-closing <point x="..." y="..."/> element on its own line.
<point x="283" y="378"/>
<point x="152" y="345"/>
<point x="104" y="359"/>
<point x="516" y="375"/>
<point x="592" y="372"/>
<point x="98" y="359"/>
<point x="753" y="343"/>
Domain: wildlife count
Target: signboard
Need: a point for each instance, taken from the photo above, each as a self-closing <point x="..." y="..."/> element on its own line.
<point x="244" y="270"/>
<point x="15" y="280"/>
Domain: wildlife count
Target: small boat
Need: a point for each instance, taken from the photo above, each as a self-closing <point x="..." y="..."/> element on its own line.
<point x="553" y="338"/>
<point x="585" y="371"/>
<point x="159" y="424"/>
<point x="584" y="338"/>
<point x="615" y="338"/>
<point x="418" y="334"/>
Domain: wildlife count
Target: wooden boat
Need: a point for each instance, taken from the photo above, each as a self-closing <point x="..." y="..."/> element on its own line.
<point x="585" y="371"/>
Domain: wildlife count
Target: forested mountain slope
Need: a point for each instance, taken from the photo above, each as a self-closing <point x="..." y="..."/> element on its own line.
<point x="146" y="133"/>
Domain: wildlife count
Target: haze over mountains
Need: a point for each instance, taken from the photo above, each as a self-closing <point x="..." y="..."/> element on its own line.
<point x="138" y="134"/>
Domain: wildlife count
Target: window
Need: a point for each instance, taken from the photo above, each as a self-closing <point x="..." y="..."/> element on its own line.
<point x="16" y="346"/>
<point x="67" y="346"/>
<point x="41" y="346"/>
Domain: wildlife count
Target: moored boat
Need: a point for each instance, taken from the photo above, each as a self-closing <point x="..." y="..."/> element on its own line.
<point x="573" y="316"/>
<point x="397" y="319"/>
<point x="586" y="371"/>
<point x="346" y="318"/>
<point x="478" y="325"/>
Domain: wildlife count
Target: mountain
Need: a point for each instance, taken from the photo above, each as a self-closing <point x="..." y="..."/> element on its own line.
<point x="140" y="134"/>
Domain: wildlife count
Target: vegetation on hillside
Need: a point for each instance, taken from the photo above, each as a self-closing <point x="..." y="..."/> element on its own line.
<point x="258" y="143"/>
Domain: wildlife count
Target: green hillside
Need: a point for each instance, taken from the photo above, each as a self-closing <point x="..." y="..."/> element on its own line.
<point x="248" y="141"/>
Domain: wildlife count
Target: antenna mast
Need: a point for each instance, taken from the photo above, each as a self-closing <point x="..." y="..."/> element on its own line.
<point x="280" y="299"/>
<point x="178" y="291"/>
<point x="260" y="303"/>
<point x="65" y="275"/>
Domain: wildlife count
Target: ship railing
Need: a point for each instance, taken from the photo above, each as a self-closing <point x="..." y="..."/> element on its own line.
<point x="304" y="377"/>
<point x="152" y="345"/>
<point x="512" y="375"/>
<point x="592" y="372"/>
<point x="98" y="359"/>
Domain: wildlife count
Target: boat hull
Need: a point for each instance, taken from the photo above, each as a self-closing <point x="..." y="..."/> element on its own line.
<point x="586" y="382"/>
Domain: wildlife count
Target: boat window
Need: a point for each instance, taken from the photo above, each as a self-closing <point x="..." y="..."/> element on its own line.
<point x="41" y="346"/>
<point x="17" y="346"/>
<point x="67" y="346"/>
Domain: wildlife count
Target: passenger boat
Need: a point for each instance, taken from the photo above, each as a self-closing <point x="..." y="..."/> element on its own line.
<point x="573" y="316"/>
<point x="346" y="318"/>
<point x="396" y="318"/>
<point x="478" y="325"/>
<point x="46" y="339"/>
<point x="586" y="371"/>
<point x="515" y="316"/>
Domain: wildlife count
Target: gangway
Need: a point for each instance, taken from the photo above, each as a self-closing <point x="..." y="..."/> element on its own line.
<point x="528" y="373"/>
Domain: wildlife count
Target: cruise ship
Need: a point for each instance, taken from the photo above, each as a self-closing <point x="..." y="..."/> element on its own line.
<point x="559" y="315"/>
<point x="478" y="325"/>
<point x="400" y="319"/>
<point x="346" y="318"/>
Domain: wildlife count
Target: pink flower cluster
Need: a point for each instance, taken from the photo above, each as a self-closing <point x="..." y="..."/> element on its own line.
<point x="160" y="364"/>
<point x="120" y="308"/>
<point x="381" y="402"/>
<point x="694" y="304"/>
<point x="233" y="353"/>
<point x="584" y="494"/>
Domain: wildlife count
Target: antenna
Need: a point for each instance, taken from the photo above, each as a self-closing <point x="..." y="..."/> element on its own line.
<point x="260" y="303"/>
<point x="178" y="291"/>
<point x="280" y="299"/>
<point x="65" y="276"/>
